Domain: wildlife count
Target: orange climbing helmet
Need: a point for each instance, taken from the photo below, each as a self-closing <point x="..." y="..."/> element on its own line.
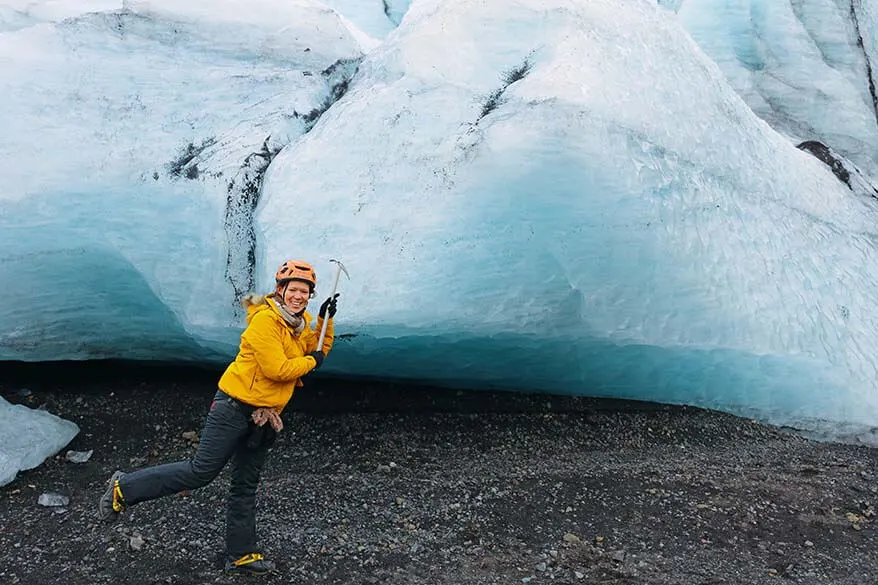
<point x="296" y="270"/>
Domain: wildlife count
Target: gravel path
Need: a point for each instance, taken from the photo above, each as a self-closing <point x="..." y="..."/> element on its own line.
<point x="397" y="484"/>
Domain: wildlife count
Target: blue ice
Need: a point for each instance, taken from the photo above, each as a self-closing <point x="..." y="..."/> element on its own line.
<point x="549" y="196"/>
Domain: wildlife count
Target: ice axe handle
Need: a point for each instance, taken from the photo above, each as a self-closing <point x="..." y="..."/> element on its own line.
<point x="338" y="271"/>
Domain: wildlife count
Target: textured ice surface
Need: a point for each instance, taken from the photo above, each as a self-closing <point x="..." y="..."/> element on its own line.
<point x="396" y="9"/>
<point x="536" y="195"/>
<point x="846" y="171"/>
<point x="132" y="150"/>
<point x="617" y="221"/>
<point x="372" y="18"/>
<point x="28" y="437"/>
<point x="805" y="66"/>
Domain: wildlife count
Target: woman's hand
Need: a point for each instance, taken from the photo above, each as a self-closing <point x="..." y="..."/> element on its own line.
<point x="318" y="357"/>
<point x="329" y="306"/>
<point x="262" y="415"/>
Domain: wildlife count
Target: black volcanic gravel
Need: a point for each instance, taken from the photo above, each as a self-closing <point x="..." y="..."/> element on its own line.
<point x="399" y="484"/>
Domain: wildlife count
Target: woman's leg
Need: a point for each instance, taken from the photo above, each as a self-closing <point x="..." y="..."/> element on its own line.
<point x="226" y="428"/>
<point x="241" y="511"/>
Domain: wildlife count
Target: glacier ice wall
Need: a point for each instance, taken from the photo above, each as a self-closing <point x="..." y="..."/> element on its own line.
<point x="559" y="196"/>
<point x="586" y="207"/>
<point x="133" y="146"/>
<point x="808" y="67"/>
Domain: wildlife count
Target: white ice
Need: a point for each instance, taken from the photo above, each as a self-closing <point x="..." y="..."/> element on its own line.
<point x="803" y="66"/>
<point x="28" y="437"/>
<point x="369" y="16"/>
<point x="553" y="195"/>
<point x="125" y="133"/>
<point x="621" y="224"/>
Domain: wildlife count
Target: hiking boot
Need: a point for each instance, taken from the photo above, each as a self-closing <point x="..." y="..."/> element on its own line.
<point x="112" y="502"/>
<point x="251" y="564"/>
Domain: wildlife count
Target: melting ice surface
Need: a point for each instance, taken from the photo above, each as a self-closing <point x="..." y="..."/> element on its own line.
<point x="808" y="67"/>
<point x="545" y="195"/>
<point x="133" y="143"/>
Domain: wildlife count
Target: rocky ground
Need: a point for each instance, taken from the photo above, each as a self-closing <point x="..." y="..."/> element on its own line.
<point x="373" y="483"/>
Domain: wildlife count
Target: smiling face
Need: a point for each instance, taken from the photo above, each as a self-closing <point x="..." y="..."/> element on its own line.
<point x="295" y="295"/>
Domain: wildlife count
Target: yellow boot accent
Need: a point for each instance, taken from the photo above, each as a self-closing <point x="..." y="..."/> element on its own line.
<point x="247" y="559"/>
<point x="118" y="500"/>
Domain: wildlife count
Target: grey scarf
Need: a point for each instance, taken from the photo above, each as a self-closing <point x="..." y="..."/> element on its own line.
<point x="294" y="321"/>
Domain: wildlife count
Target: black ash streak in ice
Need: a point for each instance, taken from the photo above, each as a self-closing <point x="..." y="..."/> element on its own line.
<point x="242" y="196"/>
<point x="495" y="98"/>
<point x="184" y="164"/>
<point x="338" y="77"/>
<point x="243" y="190"/>
<point x="843" y="169"/>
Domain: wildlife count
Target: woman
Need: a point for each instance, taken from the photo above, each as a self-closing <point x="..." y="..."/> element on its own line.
<point x="277" y="348"/>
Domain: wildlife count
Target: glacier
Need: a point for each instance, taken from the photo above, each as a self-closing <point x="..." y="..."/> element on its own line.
<point x="807" y="67"/>
<point x="134" y="143"/>
<point x="558" y="196"/>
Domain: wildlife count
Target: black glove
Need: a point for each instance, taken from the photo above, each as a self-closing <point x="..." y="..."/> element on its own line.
<point x="317" y="355"/>
<point x="329" y="305"/>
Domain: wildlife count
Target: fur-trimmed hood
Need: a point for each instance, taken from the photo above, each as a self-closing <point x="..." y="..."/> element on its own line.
<point x="255" y="302"/>
<point x="253" y="299"/>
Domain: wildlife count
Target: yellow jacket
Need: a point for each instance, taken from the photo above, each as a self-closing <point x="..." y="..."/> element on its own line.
<point x="271" y="359"/>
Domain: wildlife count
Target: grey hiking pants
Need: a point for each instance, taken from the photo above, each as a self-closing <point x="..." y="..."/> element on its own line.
<point x="223" y="437"/>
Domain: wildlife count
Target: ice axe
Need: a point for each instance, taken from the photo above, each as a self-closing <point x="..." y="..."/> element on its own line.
<point x="338" y="272"/>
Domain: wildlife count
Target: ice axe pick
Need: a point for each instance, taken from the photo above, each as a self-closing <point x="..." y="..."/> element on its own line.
<point x="339" y="270"/>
